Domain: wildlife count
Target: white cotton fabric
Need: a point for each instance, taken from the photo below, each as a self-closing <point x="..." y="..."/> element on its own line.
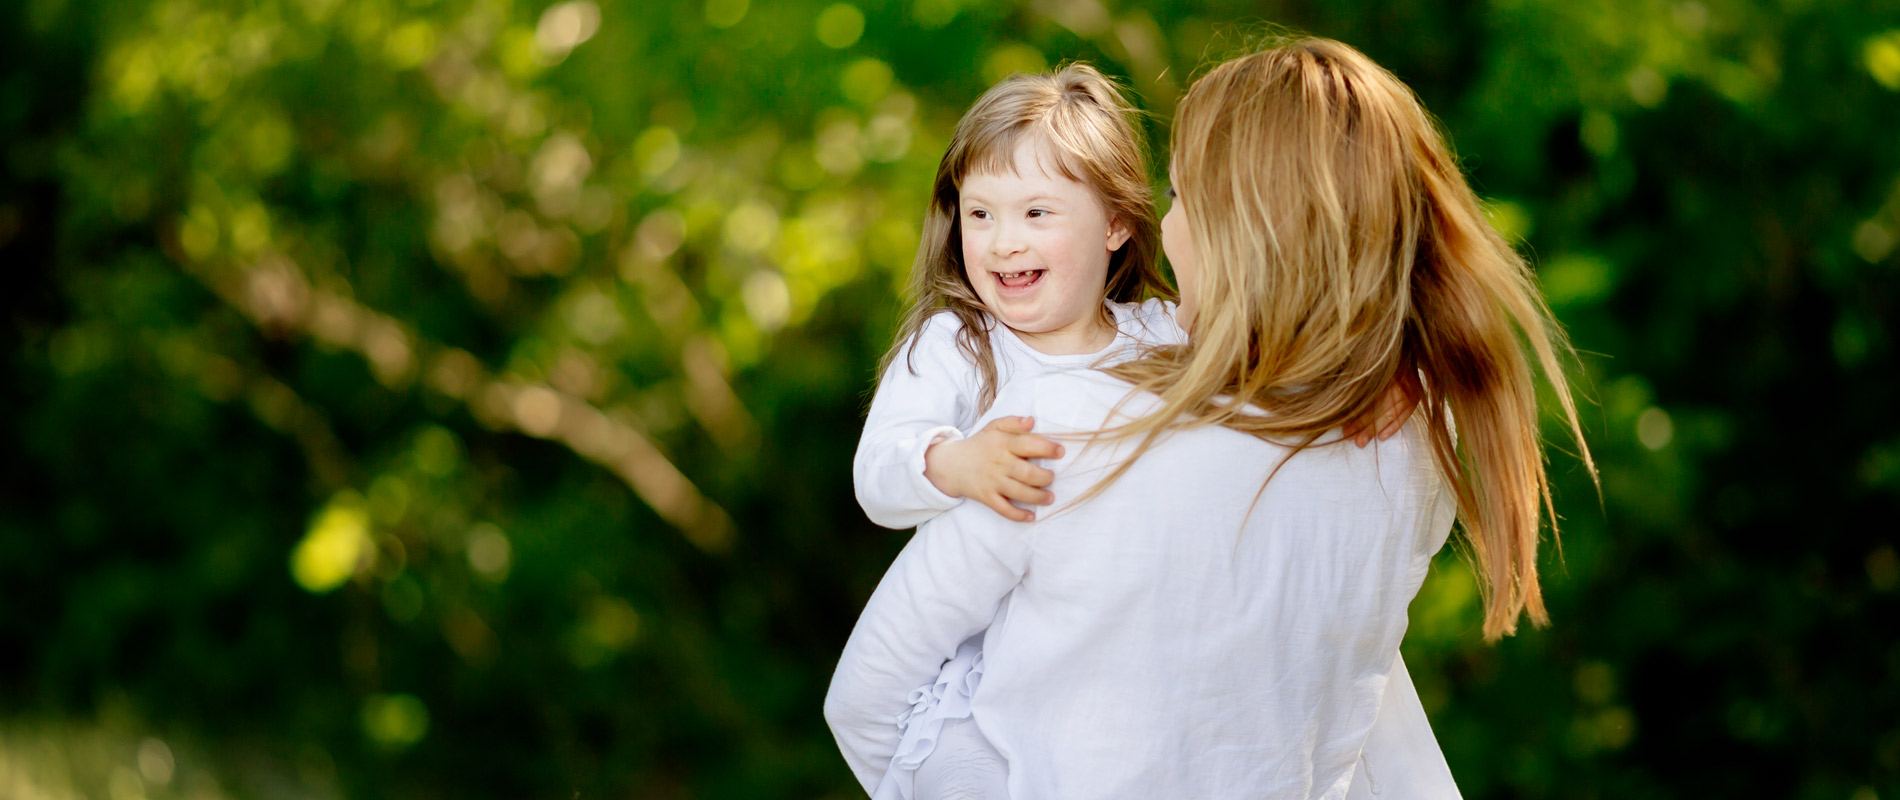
<point x="931" y="392"/>
<point x="945" y="701"/>
<point x="965" y="767"/>
<point x="1160" y="640"/>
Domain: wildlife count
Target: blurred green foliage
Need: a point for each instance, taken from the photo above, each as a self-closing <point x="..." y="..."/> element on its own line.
<point x="442" y="398"/>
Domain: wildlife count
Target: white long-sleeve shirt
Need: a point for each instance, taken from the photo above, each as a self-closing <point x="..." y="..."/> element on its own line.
<point x="932" y="393"/>
<point x="1159" y="640"/>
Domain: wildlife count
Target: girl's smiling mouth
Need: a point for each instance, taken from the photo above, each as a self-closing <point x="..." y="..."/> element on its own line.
<point x="1019" y="280"/>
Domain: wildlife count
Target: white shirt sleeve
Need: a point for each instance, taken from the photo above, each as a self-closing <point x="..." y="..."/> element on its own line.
<point x="925" y="397"/>
<point x="943" y="588"/>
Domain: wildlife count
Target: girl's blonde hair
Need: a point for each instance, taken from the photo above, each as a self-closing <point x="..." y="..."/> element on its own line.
<point x="1338" y="248"/>
<point x="1092" y="132"/>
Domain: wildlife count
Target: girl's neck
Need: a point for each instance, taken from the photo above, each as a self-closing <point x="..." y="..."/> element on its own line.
<point x="1086" y="336"/>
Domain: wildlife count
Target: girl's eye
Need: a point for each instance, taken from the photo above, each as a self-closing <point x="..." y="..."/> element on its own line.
<point x="1037" y="212"/>
<point x="979" y="213"/>
<point x="1169" y="192"/>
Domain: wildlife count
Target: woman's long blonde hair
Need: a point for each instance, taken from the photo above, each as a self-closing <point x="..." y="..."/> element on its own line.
<point x="1338" y="248"/>
<point x="1093" y="132"/>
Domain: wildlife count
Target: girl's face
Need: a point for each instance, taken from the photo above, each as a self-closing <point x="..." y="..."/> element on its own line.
<point x="1180" y="251"/>
<point x="1036" y="247"/>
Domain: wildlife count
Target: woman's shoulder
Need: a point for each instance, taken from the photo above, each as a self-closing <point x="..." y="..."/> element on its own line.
<point x="1149" y="321"/>
<point x="1072" y="399"/>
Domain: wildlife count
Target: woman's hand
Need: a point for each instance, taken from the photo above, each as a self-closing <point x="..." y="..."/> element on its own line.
<point x="1400" y="400"/>
<point x="992" y="467"/>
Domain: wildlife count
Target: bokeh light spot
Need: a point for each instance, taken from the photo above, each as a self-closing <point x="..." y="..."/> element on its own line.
<point x="888" y="138"/>
<point x="395" y="721"/>
<point x="594" y="317"/>
<point x="336" y="545"/>
<point x="134" y="71"/>
<point x="520" y="57"/>
<point x="726" y="13"/>
<point x="268" y="143"/>
<point x="250" y="229"/>
<point x="389" y="498"/>
<point x="934" y="14"/>
<point x="198" y="233"/>
<point x="564" y="26"/>
<point x="488" y="551"/>
<point x="1511" y="220"/>
<point x="410" y="45"/>
<point x="1882" y="55"/>
<point x="840" y="25"/>
<point x="1011" y="59"/>
<point x="767" y="300"/>
<point x="1654" y="428"/>
<point x="751" y="227"/>
<point x="656" y="151"/>
<point x="836" y="146"/>
<point x="866" y="81"/>
<point x="437" y="451"/>
<point x="660" y="235"/>
<point x="537" y="410"/>
<point x="1575" y="279"/>
<point x="1873" y="241"/>
<point x="1595" y="682"/>
<point x="155" y="761"/>
<point x="1598" y="132"/>
<point x="609" y="628"/>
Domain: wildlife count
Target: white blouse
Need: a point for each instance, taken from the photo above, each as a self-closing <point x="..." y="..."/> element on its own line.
<point x="1183" y="634"/>
<point x="931" y="393"/>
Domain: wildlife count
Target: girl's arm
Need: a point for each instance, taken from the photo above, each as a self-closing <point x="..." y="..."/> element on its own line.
<point x="925" y="397"/>
<point x="914" y="462"/>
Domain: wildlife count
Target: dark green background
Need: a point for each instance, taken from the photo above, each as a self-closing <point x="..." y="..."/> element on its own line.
<point x="544" y="369"/>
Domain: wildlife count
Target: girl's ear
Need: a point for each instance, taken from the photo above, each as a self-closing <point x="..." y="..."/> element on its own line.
<point x="1117" y="234"/>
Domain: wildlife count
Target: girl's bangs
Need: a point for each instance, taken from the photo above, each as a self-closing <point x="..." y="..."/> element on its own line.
<point x="992" y="151"/>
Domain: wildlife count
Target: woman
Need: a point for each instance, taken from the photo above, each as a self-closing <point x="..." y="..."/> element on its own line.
<point x="1217" y="610"/>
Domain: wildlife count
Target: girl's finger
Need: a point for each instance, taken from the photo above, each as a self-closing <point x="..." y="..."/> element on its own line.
<point x="1028" y="446"/>
<point x="1024" y="493"/>
<point x="1032" y="475"/>
<point x="1015" y="425"/>
<point x="1001" y="505"/>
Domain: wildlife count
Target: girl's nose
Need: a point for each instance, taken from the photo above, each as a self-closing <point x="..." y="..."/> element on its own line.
<point x="1006" y="242"/>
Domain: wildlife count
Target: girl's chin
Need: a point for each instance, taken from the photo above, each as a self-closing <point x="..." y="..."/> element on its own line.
<point x="1029" y="323"/>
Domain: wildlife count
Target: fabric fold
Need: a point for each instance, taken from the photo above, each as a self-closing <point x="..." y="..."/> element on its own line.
<point x="948" y="698"/>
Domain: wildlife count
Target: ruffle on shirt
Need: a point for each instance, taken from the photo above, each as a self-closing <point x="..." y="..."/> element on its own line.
<point x="947" y="698"/>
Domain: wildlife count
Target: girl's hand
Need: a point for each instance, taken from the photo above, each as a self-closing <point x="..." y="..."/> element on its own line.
<point x="1400" y="400"/>
<point x="992" y="467"/>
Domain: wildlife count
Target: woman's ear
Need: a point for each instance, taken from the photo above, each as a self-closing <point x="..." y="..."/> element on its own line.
<point x="1117" y="234"/>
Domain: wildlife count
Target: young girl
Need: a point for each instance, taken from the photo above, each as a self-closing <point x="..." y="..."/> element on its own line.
<point x="1038" y="254"/>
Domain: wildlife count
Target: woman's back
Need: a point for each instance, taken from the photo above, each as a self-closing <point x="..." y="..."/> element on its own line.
<point x="1160" y="639"/>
